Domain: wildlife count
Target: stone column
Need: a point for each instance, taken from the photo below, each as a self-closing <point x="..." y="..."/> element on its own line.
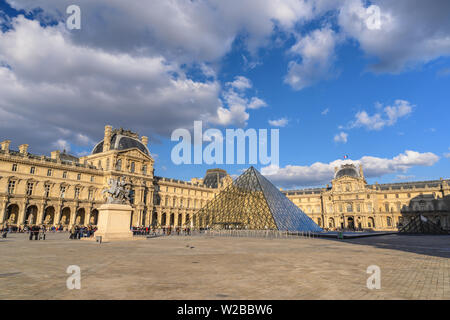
<point x="2" y="212"/>
<point x="87" y="215"/>
<point x="22" y="213"/>
<point x="40" y="214"/>
<point x="73" y="213"/>
<point x="57" y="218"/>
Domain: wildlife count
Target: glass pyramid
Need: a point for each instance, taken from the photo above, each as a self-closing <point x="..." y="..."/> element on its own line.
<point x="253" y="202"/>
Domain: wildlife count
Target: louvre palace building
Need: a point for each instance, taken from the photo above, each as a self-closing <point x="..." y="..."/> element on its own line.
<point x="64" y="190"/>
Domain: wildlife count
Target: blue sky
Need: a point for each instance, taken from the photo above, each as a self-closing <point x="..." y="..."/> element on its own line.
<point x="380" y="96"/>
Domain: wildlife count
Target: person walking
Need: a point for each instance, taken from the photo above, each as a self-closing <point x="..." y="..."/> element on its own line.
<point x="31" y="233"/>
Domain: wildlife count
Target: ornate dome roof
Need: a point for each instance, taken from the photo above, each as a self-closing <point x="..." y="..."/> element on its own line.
<point x="347" y="170"/>
<point x="122" y="141"/>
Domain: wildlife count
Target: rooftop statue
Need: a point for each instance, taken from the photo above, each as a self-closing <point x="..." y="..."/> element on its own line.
<point x="118" y="192"/>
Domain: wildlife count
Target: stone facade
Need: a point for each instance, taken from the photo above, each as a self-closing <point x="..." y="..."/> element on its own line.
<point x="63" y="190"/>
<point x="352" y="203"/>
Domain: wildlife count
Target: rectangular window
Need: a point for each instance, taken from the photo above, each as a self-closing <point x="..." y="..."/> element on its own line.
<point x="49" y="172"/>
<point x="65" y="175"/>
<point x="63" y="192"/>
<point x="32" y="170"/>
<point x="47" y="190"/>
<point x="386" y="207"/>
<point x="77" y="192"/>
<point x="92" y="178"/>
<point x="79" y="176"/>
<point x="14" y="167"/>
<point x="11" y="187"/>
<point x="144" y="169"/>
<point x="133" y="167"/>
<point x="30" y="186"/>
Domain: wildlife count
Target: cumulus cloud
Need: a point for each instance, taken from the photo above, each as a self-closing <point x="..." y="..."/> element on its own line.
<point x="62" y="145"/>
<point x="51" y="83"/>
<point x="447" y="154"/>
<point x="179" y="30"/>
<point x="317" y="53"/>
<point x="235" y="103"/>
<point x="341" y="137"/>
<point x="279" y="123"/>
<point x="322" y="173"/>
<point x="240" y="83"/>
<point x="411" y="31"/>
<point x="378" y="121"/>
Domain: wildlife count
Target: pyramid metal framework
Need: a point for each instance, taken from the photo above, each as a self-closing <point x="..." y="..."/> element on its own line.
<point x="421" y="225"/>
<point x="253" y="202"/>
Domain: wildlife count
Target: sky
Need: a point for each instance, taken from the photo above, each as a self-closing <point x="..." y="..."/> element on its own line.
<point x="336" y="78"/>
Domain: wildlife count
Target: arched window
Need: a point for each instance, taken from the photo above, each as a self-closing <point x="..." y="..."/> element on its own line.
<point x="389" y="221"/>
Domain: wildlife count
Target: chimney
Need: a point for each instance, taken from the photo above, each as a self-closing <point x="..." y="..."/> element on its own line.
<point x="5" y="145"/>
<point x="23" y="149"/>
<point x="107" y="138"/>
<point x="55" y="154"/>
<point x="144" y="140"/>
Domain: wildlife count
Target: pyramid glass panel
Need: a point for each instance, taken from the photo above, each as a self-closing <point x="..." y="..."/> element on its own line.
<point x="252" y="202"/>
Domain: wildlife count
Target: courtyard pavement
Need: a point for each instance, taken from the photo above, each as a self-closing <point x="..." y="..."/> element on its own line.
<point x="202" y="267"/>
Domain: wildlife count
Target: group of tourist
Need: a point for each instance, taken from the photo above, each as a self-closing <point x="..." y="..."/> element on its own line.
<point x="168" y="231"/>
<point x="78" y="232"/>
<point x="145" y="231"/>
<point x="38" y="232"/>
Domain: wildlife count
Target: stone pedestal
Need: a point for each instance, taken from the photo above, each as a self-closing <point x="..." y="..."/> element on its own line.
<point x="114" y="222"/>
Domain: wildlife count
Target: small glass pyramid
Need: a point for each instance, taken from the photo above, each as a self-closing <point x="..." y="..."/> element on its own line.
<point x="253" y="202"/>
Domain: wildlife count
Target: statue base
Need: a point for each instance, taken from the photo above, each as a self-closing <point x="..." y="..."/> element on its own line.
<point x="114" y="222"/>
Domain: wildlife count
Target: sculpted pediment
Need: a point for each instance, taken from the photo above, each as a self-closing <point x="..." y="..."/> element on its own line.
<point x="137" y="154"/>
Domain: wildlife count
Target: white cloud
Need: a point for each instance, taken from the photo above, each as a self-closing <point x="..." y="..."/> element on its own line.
<point x="402" y="177"/>
<point x="256" y="103"/>
<point x="341" y="137"/>
<point x="378" y="121"/>
<point x="240" y="83"/>
<point x="447" y="154"/>
<point x="77" y="88"/>
<point x="317" y="53"/>
<point x="322" y="173"/>
<point x="62" y="145"/>
<point x="279" y="123"/>
<point x="412" y="31"/>
<point x="179" y="30"/>
<point x="325" y="112"/>
<point x="235" y="104"/>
